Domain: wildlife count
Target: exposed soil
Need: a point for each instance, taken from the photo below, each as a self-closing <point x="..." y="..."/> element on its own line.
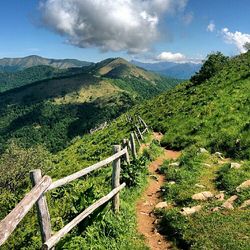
<point x="146" y="220"/>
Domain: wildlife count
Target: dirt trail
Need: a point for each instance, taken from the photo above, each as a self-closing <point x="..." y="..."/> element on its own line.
<point x="152" y="195"/>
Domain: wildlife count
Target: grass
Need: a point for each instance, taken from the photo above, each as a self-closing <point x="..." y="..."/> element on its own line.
<point x="224" y="229"/>
<point x="103" y="228"/>
<point x="213" y="114"/>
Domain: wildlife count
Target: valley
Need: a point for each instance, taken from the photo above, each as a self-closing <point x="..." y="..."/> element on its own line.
<point x="54" y="111"/>
<point x="46" y="125"/>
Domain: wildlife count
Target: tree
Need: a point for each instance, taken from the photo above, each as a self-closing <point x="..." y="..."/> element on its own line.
<point x="247" y="46"/>
<point x="212" y="65"/>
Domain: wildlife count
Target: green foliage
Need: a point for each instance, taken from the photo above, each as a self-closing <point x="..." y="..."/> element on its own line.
<point x="185" y="176"/>
<point x="11" y="80"/>
<point x="53" y="112"/>
<point x="213" y="114"/>
<point x="16" y="163"/>
<point x="208" y="231"/>
<point x="247" y="46"/>
<point x="153" y="151"/>
<point x="204" y="229"/>
<point x="133" y="174"/>
<point x="145" y="88"/>
<point x="229" y="178"/>
<point x="99" y="230"/>
<point x="212" y="66"/>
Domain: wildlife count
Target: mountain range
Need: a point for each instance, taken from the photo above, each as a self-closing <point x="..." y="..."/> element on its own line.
<point x="73" y="101"/>
<point x="171" y="69"/>
<point x="16" y="64"/>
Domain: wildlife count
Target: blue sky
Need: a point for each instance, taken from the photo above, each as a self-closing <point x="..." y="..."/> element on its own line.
<point x="184" y="33"/>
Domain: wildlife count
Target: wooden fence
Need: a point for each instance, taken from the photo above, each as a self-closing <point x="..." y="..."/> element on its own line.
<point x="41" y="185"/>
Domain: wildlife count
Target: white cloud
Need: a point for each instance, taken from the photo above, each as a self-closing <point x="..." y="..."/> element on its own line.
<point x="130" y="25"/>
<point x="177" y="58"/>
<point x="211" y="26"/>
<point x="171" y="57"/>
<point x="238" y="39"/>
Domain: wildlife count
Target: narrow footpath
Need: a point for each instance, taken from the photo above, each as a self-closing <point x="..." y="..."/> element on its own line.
<point x="146" y="219"/>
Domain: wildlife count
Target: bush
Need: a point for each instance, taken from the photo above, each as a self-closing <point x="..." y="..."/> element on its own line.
<point x="132" y="174"/>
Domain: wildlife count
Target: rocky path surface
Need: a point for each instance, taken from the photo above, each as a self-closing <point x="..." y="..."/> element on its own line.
<point x="146" y="220"/>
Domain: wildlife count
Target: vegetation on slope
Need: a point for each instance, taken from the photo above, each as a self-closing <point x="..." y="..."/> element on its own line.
<point x="54" y="111"/>
<point x="99" y="230"/>
<point x="210" y="228"/>
<point x="211" y="111"/>
<point x="17" y="64"/>
<point x="212" y="114"/>
<point x="11" y="80"/>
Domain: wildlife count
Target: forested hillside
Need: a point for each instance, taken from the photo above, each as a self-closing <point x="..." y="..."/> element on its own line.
<point x="11" y="80"/>
<point x="52" y="112"/>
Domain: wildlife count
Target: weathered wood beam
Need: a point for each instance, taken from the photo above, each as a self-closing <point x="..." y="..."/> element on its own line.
<point x="139" y="132"/>
<point x="137" y="138"/>
<point x="133" y="146"/>
<point x="125" y="145"/>
<point x="42" y="208"/>
<point x="56" y="237"/>
<point x="144" y="123"/>
<point x="10" y="222"/>
<point x="87" y="170"/>
<point x="116" y="178"/>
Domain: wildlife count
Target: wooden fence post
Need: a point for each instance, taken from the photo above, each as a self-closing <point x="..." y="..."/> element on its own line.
<point x="140" y="121"/>
<point x="129" y="144"/>
<point x="125" y="145"/>
<point x="10" y="222"/>
<point x="144" y="123"/>
<point x="137" y="138"/>
<point x="133" y="147"/>
<point x="139" y="132"/>
<point x="116" y="178"/>
<point x="42" y="208"/>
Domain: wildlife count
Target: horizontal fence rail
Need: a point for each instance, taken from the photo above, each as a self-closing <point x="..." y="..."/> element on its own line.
<point x="10" y="222"/>
<point x="87" y="170"/>
<point x="41" y="185"/>
<point x="56" y="238"/>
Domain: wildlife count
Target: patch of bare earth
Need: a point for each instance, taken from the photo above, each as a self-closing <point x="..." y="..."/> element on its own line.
<point x="146" y="219"/>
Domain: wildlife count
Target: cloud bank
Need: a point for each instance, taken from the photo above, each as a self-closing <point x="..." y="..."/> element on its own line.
<point x="129" y="25"/>
<point x="238" y="39"/>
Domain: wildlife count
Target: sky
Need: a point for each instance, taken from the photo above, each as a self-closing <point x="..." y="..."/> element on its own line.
<point x="144" y="30"/>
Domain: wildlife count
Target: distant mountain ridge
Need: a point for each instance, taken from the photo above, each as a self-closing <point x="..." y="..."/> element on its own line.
<point x="17" y="64"/>
<point x="171" y="69"/>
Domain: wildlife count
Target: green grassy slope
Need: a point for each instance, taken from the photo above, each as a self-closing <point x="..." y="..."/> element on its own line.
<point x="214" y="114"/>
<point x="99" y="230"/>
<point x="212" y="227"/>
<point x="52" y="112"/>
